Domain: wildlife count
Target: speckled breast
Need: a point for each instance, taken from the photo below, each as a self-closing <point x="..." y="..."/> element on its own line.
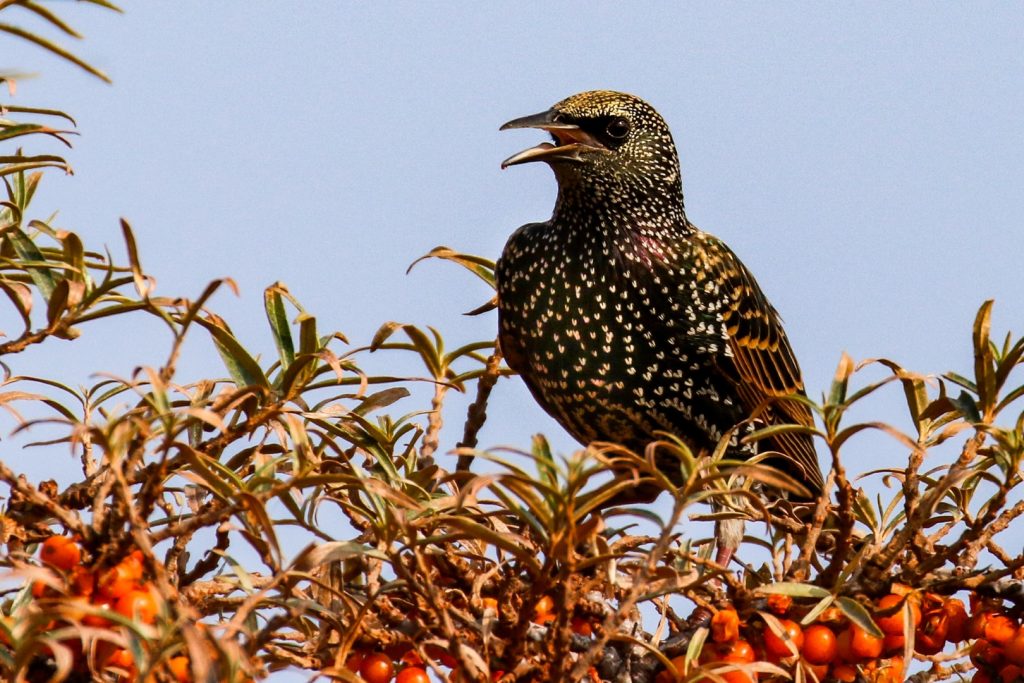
<point x="615" y="344"/>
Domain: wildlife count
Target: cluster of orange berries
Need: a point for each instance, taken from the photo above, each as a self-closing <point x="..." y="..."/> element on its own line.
<point x="400" y="664"/>
<point x="90" y="596"/>
<point x="998" y="649"/>
<point x="834" y="648"/>
<point x="379" y="667"/>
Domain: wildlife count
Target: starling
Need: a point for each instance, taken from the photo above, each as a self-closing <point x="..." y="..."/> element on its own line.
<point x="623" y="318"/>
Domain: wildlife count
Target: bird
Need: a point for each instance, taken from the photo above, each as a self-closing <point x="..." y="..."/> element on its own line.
<point x="624" y="319"/>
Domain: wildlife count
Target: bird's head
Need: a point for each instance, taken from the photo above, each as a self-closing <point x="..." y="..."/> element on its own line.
<point x="601" y="137"/>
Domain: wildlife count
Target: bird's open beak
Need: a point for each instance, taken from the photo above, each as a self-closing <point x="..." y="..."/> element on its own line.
<point x="572" y="140"/>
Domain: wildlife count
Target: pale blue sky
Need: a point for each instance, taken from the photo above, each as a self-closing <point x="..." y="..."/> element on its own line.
<point x="865" y="160"/>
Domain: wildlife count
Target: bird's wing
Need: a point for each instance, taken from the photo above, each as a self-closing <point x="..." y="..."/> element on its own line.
<point x="764" y="365"/>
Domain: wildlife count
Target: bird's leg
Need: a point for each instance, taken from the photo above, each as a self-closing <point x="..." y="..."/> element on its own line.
<point x="729" y="535"/>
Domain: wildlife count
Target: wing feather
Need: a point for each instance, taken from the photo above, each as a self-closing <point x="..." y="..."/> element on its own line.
<point x="764" y="365"/>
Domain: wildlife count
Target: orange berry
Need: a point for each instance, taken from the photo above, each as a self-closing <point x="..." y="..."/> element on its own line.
<point x="354" y="661"/>
<point x="412" y="674"/>
<point x="928" y="643"/>
<point x="92" y="619"/>
<point x="120" y="579"/>
<point x="83" y="581"/>
<point x="735" y="676"/>
<point x="132" y="565"/>
<point x="397" y="650"/>
<point x="889" y="671"/>
<point x="893" y="643"/>
<point x="411" y="658"/>
<point x="140" y="605"/>
<point x="41" y="589"/>
<point x="542" y="611"/>
<point x="544" y="605"/>
<point x="674" y="671"/>
<point x="1014" y="647"/>
<point x="180" y="669"/>
<point x="581" y="627"/>
<point x="893" y="623"/>
<point x="986" y="655"/>
<point x="956" y="620"/>
<point x="931" y="634"/>
<point x="820" y="646"/>
<point x="737" y="652"/>
<point x="725" y="626"/>
<point x="779" y="604"/>
<point x="121" y="658"/>
<point x="818" y="671"/>
<point x="847" y="673"/>
<point x="789" y="643"/>
<point x="863" y="645"/>
<point x="1000" y="629"/>
<point x="976" y="624"/>
<point x="545" y="618"/>
<point x="6" y="628"/>
<point x="61" y="552"/>
<point x="377" y="668"/>
<point x="855" y="644"/>
<point x="1011" y="673"/>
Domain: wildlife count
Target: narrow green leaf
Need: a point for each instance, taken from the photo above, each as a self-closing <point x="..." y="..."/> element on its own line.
<point x="776" y="479"/>
<point x="427" y="350"/>
<point x="21" y="296"/>
<point x="817" y="610"/>
<point x="335" y="551"/>
<point x="380" y="399"/>
<point x="510" y="542"/>
<point x="859" y="615"/>
<point x="308" y="341"/>
<point x="201" y="467"/>
<point x="837" y="394"/>
<point x="983" y="357"/>
<point x="294" y="379"/>
<point x="141" y="284"/>
<point x="242" y="367"/>
<point x="21" y="164"/>
<point x="273" y="302"/>
<point x="28" y="251"/>
<point x="58" y="302"/>
<point x="39" y="110"/>
<point x="479" y="266"/>
<point x="18" y="130"/>
<point x="50" y="17"/>
<point x="776" y="627"/>
<point x="383" y="333"/>
<point x="796" y="590"/>
<point x="54" y="48"/>
<point x="74" y="256"/>
<point x="256" y="513"/>
<point x="866" y="511"/>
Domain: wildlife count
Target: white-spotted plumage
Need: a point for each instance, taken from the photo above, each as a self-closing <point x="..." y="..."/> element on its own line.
<point x="622" y="317"/>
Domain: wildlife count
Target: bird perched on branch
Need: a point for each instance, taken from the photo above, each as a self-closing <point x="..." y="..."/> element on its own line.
<point x="624" y="318"/>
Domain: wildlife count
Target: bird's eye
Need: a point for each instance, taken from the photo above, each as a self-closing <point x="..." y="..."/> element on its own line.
<point x="617" y="128"/>
<point x="560" y="118"/>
